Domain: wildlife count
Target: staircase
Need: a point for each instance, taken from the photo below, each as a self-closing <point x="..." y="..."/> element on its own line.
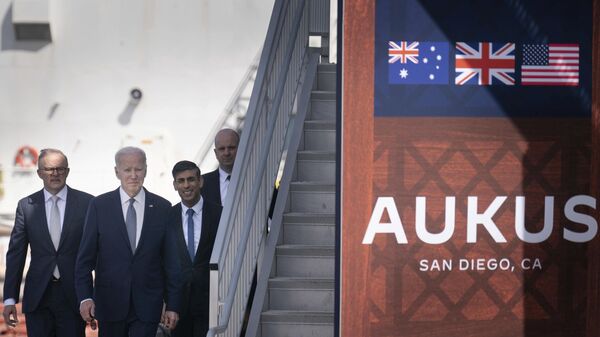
<point x="300" y="295"/>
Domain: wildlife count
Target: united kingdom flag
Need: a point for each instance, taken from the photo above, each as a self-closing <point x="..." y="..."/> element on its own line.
<point x="405" y="51"/>
<point x="485" y="63"/>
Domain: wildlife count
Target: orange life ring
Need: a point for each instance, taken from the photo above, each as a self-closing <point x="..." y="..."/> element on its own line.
<point x="27" y="157"/>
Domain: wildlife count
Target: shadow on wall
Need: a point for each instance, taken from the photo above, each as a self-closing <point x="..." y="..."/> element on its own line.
<point x="8" y="40"/>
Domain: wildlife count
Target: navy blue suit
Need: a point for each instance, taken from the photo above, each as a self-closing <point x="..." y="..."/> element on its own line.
<point x="196" y="278"/>
<point x="211" y="189"/>
<point x="127" y="282"/>
<point x="31" y="228"/>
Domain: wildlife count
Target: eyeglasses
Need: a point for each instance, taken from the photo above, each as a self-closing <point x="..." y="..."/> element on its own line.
<point x="58" y="170"/>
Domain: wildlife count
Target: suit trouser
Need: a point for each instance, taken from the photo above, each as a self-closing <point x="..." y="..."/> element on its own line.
<point x="130" y="327"/>
<point x="54" y="316"/>
<point x="191" y="326"/>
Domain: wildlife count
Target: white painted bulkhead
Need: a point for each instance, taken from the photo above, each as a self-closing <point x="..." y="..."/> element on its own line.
<point x="73" y="93"/>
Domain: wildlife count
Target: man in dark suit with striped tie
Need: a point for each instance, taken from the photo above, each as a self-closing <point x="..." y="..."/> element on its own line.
<point x="195" y="221"/>
<point x="216" y="183"/>
<point x="50" y="222"/>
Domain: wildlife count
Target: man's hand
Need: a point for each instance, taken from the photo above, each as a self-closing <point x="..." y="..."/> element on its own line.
<point x="87" y="311"/>
<point x="170" y="319"/>
<point x="93" y="324"/>
<point x="10" y="315"/>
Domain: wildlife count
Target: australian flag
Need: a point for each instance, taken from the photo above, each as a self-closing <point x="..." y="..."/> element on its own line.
<point x="412" y="62"/>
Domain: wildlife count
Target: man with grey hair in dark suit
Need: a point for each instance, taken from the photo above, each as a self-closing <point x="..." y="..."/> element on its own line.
<point x="50" y="222"/>
<point x="127" y="243"/>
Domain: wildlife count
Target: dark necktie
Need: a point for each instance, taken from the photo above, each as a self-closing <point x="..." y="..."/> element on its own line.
<point x="190" y="231"/>
<point x="224" y="188"/>
<point x="131" y="223"/>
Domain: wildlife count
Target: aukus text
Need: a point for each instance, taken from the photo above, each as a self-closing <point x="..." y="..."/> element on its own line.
<point x="476" y="220"/>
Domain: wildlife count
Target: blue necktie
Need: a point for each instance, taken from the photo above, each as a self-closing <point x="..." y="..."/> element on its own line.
<point x="190" y="224"/>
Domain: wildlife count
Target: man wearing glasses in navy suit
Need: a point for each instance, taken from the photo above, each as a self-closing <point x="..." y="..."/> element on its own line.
<point x="50" y="222"/>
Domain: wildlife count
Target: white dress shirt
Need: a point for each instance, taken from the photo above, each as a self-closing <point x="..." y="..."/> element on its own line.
<point x="62" y="205"/>
<point x="138" y="205"/>
<point x="197" y="222"/>
<point x="223" y="184"/>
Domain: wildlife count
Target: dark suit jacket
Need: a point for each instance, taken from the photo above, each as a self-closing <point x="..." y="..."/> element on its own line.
<point x="31" y="228"/>
<point x="196" y="273"/>
<point x="122" y="277"/>
<point x="211" y="190"/>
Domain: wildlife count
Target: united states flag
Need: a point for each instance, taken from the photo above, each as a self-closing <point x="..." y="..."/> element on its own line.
<point x="405" y="51"/>
<point x="550" y="64"/>
<point x="485" y="63"/>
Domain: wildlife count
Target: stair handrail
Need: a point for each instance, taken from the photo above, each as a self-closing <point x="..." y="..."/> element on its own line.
<point x="243" y="222"/>
<point x="282" y="197"/>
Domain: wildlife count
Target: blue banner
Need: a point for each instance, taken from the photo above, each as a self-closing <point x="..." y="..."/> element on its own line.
<point x="495" y="58"/>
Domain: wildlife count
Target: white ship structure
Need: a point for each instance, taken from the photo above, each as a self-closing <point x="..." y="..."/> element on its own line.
<point x="91" y="76"/>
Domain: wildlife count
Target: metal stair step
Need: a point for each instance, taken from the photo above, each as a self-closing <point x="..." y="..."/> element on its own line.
<point x="308" y="228"/>
<point x="319" y="124"/>
<point x="287" y="293"/>
<point x="286" y="323"/>
<point x="308" y="233"/>
<point x="322" y="105"/>
<point x="316" y="166"/>
<point x="299" y="217"/>
<point x="326" y="76"/>
<point x="295" y="316"/>
<point x="313" y="197"/>
<point x="327" y="67"/>
<point x="316" y="155"/>
<point x="306" y="250"/>
<point x="305" y="261"/>
<point x="323" y="95"/>
<point x="319" y="135"/>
